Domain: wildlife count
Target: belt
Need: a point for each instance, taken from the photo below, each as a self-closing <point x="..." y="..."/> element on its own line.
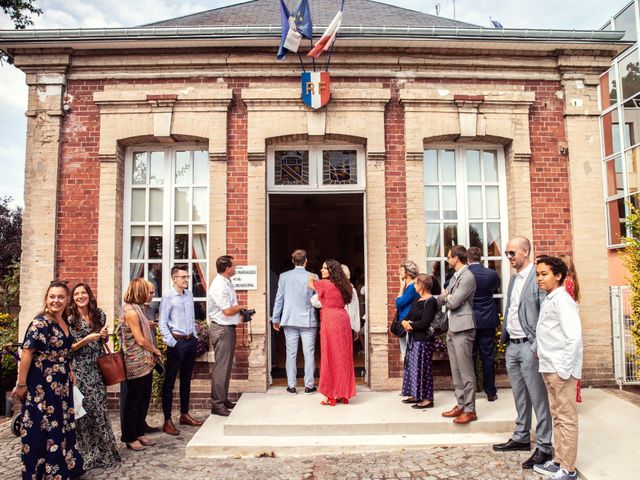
<point x="519" y="340"/>
<point x="177" y="336"/>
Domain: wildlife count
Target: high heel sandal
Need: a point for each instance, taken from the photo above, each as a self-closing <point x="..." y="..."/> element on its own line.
<point x="343" y="400"/>
<point x="146" y="442"/>
<point x="329" y="401"/>
<point x="135" y="449"/>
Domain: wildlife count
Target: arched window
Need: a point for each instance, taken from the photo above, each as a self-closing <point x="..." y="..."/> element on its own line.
<point x="465" y="204"/>
<point x="166" y="217"/>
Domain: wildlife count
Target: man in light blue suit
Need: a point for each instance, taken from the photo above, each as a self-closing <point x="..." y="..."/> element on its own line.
<point x="293" y="312"/>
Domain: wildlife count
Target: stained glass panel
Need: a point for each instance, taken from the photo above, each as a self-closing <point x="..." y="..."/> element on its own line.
<point x="292" y="167"/>
<point x="339" y="167"/>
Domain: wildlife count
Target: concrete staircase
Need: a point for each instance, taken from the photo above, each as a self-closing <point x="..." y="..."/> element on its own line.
<point x="276" y="423"/>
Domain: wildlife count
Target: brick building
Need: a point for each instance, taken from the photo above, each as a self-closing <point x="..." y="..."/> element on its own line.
<point x="184" y="140"/>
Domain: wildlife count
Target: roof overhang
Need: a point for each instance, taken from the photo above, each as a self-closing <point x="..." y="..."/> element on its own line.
<point x="269" y="36"/>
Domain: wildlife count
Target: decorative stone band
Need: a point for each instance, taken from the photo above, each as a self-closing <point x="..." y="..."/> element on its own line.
<point x="376" y="156"/>
<point x="414" y="156"/>
<point x="256" y="157"/>
<point x="217" y="157"/>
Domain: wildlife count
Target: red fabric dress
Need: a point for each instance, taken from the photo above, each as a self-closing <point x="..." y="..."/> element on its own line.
<point x="337" y="378"/>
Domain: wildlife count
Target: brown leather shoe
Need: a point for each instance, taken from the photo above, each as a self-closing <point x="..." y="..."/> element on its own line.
<point x="466" y="417"/>
<point x="453" y="413"/>
<point x="186" y="419"/>
<point x="169" y="428"/>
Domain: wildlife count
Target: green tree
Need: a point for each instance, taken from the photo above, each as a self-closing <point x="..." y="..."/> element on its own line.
<point x="20" y="11"/>
<point x="10" y="239"/>
<point x="631" y="259"/>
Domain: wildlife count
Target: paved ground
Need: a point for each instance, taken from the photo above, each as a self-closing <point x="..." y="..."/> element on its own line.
<point x="166" y="461"/>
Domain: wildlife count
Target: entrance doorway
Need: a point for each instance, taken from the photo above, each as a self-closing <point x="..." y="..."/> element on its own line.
<point x="327" y="225"/>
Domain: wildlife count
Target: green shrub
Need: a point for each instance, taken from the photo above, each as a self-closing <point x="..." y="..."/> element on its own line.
<point x="631" y="258"/>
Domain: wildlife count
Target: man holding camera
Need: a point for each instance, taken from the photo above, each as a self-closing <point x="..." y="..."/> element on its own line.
<point x="224" y="315"/>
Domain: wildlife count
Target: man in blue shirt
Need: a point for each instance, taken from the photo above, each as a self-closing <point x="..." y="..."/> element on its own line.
<point x="178" y="328"/>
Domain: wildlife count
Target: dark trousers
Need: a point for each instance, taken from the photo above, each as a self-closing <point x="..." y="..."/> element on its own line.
<point x="135" y="407"/>
<point x="485" y="346"/>
<point x="180" y="358"/>
<point x="223" y="341"/>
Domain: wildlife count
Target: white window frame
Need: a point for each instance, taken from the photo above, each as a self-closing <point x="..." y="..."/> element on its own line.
<point x="315" y="169"/>
<point x="168" y="224"/>
<point x="462" y="220"/>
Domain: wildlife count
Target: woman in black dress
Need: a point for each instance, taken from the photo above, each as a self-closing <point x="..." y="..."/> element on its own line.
<point x="48" y="430"/>
<point x="417" y="383"/>
<point x="95" y="436"/>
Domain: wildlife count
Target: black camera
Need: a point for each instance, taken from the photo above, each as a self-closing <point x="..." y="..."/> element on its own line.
<point x="247" y="314"/>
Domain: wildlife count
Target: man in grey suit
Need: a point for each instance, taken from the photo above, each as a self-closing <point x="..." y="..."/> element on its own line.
<point x="519" y="333"/>
<point x="458" y="299"/>
<point x="293" y="312"/>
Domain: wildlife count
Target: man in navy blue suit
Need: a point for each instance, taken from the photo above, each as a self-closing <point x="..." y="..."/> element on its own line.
<point x="486" y="316"/>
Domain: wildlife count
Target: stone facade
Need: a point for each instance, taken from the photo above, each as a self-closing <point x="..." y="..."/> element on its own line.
<point x="540" y="109"/>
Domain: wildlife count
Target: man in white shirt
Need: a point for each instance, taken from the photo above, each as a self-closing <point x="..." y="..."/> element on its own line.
<point x="224" y="315"/>
<point x="519" y="333"/>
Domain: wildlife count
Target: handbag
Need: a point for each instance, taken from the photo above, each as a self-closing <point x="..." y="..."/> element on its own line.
<point x="439" y="325"/>
<point x="111" y="367"/>
<point x="396" y="327"/>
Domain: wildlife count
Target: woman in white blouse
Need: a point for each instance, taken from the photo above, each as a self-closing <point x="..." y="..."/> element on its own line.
<point x="559" y="336"/>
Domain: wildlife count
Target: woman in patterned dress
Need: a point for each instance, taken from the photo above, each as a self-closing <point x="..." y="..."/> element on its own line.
<point x="140" y="355"/>
<point x="337" y="378"/>
<point x="417" y="383"/>
<point x="95" y="436"/>
<point x="45" y="385"/>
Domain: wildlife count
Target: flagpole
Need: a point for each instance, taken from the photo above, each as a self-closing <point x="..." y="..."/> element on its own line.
<point x="332" y="43"/>
<point x="301" y="62"/>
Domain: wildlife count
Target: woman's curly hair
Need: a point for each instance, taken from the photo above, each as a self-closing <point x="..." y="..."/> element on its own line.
<point x="339" y="279"/>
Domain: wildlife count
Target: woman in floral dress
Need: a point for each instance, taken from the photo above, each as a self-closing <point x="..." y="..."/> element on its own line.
<point x="45" y="386"/>
<point x="337" y="378"/>
<point x="95" y="436"/>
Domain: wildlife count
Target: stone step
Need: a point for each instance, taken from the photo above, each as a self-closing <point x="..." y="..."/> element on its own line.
<point x="290" y="425"/>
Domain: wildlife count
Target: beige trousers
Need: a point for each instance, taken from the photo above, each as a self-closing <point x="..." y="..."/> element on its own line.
<point x="564" y="413"/>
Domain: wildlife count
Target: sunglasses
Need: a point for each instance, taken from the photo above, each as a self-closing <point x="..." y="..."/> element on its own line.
<point x="510" y="253"/>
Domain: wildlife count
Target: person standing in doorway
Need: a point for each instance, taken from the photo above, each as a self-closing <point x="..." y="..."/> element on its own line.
<point x="485" y="313"/>
<point x="458" y="299"/>
<point x="294" y="313"/>
<point x="224" y="317"/>
<point x="407" y="295"/>
<point x="178" y="328"/>
<point x="519" y="333"/>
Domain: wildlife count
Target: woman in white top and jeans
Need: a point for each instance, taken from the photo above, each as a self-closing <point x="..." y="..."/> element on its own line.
<point x="559" y="335"/>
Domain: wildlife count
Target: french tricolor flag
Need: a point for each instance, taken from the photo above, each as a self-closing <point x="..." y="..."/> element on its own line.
<point x="327" y="38"/>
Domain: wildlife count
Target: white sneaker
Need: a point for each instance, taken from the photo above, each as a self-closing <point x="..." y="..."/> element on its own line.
<point x="562" y="474"/>
<point x="548" y="468"/>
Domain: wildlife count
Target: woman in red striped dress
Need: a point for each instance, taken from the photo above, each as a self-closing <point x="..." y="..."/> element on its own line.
<point x="337" y="379"/>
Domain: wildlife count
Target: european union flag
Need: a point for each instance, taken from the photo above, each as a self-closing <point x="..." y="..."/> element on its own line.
<point x="294" y="27"/>
<point x="302" y="17"/>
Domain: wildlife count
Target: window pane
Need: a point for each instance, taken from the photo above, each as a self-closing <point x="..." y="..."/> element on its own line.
<point x="181" y="243"/>
<point x="631" y="129"/>
<point x="155" y="204"/>
<point x="139" y="170"/>
<point x="430" y="167"/>
<point x="492" y="200"/>
<point x="339" y="167"/>
<point x="183" y="167"/>
<point x="449" y="203"/>
<point x="473" y="166"/>
<point x="291" y="167"/>
<point x="493" y="240"/>
<point x="183" y="205"/>
<point x="626" y="22"/>
<point x="200" y="310"/>
<point x="450" y="237"/>
<point x="155" y="277"/>
<point x="431" y="203"/>
<point x="156" y="168"/>
<point x="138" y="204"/>
<point x="199" y="204"/>
<point x="614" y="177"/>
<point x="201" y="167"/>
<point x="610" y="136"/>
<point x="448" y="166"/>
<point x="475" y="202"/>
<point x="476" y="236"/>
<point x="497" y="266"/>
<point x="432" y="239"/>
<point x="616" y="216"/>
<point x="633" y="175"/>
<point x="137" y="243"/>
<point x="136" y="270"/>
<point x="608" y="90"/>
<point x="155" y="242"/>
<point x="199" y="241"/>
<point x="199" y="280"/>
<point x="629" y="78"/>
<point x="490" y="162"/>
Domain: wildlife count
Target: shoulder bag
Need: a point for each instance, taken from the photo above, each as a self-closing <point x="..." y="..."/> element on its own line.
<point x="111" y="367"/>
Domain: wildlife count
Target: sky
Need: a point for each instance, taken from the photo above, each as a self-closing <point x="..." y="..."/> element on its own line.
<point x="545" y="14"/>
